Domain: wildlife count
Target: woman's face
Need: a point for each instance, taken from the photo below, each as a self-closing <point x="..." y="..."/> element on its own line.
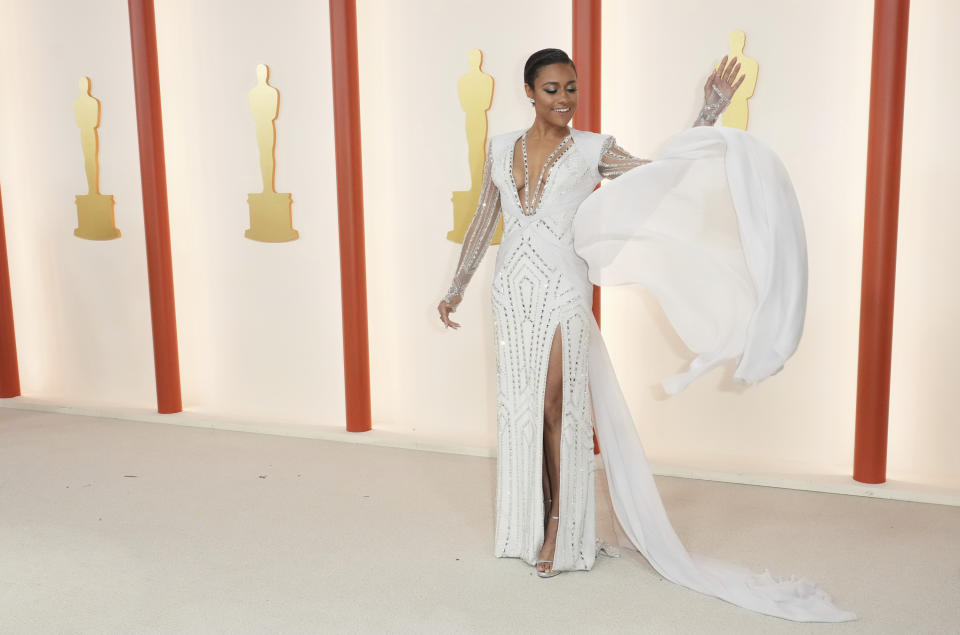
<point x="555" y="93"/>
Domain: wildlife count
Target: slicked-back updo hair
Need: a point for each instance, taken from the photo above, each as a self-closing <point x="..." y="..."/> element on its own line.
<point x="542" y="58"/>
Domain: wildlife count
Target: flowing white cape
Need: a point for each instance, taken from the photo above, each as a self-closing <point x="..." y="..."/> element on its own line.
<point x="713" y="229"/>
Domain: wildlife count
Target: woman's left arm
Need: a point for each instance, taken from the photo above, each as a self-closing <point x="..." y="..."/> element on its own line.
<point x="615" y="161"/>
<point x="718" y="91"/>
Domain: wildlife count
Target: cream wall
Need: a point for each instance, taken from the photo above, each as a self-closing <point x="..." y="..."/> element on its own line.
<point x="259" y="323"/>
<point x="811" y="106"/>
<point x="435" y="383"/>
<point x="81" y="308"/>
<point x="924" y="399"/>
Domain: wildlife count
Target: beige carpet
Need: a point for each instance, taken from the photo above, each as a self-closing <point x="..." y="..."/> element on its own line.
<point x="111" y="526"/>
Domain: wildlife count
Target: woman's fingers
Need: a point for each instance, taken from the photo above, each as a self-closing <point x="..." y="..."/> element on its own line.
<point x="724" y="67"/>
<point x="449" y="323"/>
<point x="731" y="72"/>
<point x="721" y="67"/>
<point x="445" y="310"/>
<point x="724" y="76"/>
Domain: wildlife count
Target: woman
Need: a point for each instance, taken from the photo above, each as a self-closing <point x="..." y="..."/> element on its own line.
<point x="554" y="378"/>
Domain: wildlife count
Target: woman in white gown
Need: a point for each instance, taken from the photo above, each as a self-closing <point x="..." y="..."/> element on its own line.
<point x="554" y="377"/>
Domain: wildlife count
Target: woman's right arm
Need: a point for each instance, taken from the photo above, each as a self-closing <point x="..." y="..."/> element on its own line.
<point x="475" y="243"/>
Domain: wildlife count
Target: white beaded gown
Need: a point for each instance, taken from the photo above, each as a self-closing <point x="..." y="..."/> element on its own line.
<point x="712" y="227"/>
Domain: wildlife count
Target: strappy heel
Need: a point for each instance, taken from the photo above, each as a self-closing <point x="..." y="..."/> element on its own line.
<point x="547" y="574"/>
<point x="551" y="573"/>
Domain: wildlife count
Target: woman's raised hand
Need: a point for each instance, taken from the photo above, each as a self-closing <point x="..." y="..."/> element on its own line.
<point x="724" y="77"/>
<point x="446" y="308"/>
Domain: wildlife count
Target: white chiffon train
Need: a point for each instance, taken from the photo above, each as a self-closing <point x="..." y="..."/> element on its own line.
<point x="713" y="228"/>
<point x="636" y="502"/>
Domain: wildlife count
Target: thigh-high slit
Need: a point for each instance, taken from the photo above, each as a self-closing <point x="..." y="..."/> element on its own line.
<point x="552" y="434"/>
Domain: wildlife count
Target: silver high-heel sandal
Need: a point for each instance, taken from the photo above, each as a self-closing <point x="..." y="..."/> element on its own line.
<point x="551" y="573"/>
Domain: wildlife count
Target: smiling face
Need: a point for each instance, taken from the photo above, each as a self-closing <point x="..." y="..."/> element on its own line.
<point x="554" y="93"/>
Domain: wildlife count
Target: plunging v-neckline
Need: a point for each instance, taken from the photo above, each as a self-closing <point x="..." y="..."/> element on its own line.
<point x="544" y="176"/>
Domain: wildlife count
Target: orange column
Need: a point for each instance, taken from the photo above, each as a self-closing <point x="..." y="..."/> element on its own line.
<point x="156" y="224"/>
<point x="884" y="143"/>
<point x="9" y="371"/>
<point x="353" y="275"/>
<point x="586" y="57"/>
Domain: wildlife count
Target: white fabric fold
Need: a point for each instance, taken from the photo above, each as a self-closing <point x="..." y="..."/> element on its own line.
<point x="713" y="229"/>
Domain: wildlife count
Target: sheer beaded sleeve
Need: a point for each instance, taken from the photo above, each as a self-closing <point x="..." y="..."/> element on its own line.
<point x="615" y="161"/>
<point x="479" y="234"/>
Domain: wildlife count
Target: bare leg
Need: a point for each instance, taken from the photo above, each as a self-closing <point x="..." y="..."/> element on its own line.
<point x="552" y="423"/>
<point x="547" y="496"/>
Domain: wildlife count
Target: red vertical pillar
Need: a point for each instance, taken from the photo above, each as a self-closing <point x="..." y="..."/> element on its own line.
<point x="9" y="370"/>
<point x="885" y="139"/>
<point x="353" y="275"/>
<point x="156" y="224"/>
<point x="586" y="57"/>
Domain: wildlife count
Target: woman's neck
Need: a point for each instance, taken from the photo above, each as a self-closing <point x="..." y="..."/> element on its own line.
<point x="542" y="130"/>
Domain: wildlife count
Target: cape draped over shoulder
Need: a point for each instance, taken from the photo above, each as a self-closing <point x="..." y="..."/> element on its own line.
<point x="713" y="229"/>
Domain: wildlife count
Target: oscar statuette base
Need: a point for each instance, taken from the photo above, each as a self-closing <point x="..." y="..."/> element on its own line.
<point x="271" y="219"/>
<point x="95" y="217"/>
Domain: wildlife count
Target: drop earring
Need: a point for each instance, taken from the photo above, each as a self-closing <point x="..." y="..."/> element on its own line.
<point x="533" y="102"/>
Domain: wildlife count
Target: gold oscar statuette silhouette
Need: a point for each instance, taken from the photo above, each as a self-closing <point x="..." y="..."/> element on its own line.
<point x="94" y="210"/>
<point x="270" y="216"/>
<point x="476" y="94"/>
<point x="737" y="113"/>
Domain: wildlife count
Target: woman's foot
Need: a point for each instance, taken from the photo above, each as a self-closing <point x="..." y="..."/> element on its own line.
<point x="545" y="559"/>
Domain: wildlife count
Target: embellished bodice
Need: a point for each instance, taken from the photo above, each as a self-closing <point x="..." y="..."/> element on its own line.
<point x="568" y="178"/>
